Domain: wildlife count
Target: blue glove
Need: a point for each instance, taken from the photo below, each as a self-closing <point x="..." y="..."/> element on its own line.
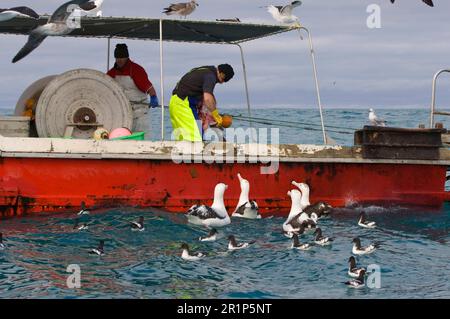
<point x="154" y="101"/>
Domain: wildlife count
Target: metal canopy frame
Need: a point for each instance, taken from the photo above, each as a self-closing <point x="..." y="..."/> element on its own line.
<point x="186" y="31"/>
<point x="433" y="97"/>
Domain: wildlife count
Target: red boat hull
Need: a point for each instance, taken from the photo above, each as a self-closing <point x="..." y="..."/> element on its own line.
<point x="32" y="185"/>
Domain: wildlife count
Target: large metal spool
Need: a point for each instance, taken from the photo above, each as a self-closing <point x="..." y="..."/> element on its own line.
<point x="76" y="103"/>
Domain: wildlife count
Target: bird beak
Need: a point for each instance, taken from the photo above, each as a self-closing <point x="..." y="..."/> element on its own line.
<point x="289" y="193"/>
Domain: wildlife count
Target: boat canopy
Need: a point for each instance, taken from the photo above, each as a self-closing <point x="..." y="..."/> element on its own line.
<point x="175" y="30"/>
<point x="149" y="29"/>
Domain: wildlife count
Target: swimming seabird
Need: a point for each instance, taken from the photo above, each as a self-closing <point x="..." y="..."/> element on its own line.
<point x="297" y="245"/>
<point x="182" y="8"/>
<point x="79" y="226"/>
<point x="374" y="120"/>
<point x="233" y="245"/>
<point x="212" y="236"/>
<point x="2" y="245"/>
<point x="428" y="2"/>
<point x="358" y="282"/>
<point x="23" y="12"/>
<point x="139" y="225"/>
<point x="364" y="223"/>
<point x="186" y="255"/>
<point x="55" y="26"/>
<point x="296" y="217"/>
<point x="214" y="216"/>
<point x="99" y="250"/>
<point x="353" y="270"/>
<point x="321" y="208"/>
<point x="320" y="239"/>
<point x="358" y="250"/>
<point x="83" y="210"/>
<point x="246" y="208"/>
<point x="284" y="14"/>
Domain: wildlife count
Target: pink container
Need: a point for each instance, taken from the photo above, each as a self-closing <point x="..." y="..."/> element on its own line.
<point x="119" y="132"/>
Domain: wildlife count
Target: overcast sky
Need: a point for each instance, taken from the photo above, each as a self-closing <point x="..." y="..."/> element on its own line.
<point x="358" y="67"/>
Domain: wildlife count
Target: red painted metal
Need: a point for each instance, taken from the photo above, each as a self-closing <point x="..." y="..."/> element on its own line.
<point x="30" y="185"/>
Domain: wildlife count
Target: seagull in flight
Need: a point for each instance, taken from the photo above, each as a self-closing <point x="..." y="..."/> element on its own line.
<point x="284" y="14"/>
<point x="374" y="120"/>
<point x="428" y="2"/>
<point x="182" y="8"/>
<point x="56" y="25"/>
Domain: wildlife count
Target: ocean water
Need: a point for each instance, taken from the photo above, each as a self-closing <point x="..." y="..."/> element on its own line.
<point x="413" y="257"/>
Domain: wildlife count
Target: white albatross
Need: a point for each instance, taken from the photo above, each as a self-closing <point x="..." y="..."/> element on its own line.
<point x="246" y="208"/>
<point x="211" y="217"/>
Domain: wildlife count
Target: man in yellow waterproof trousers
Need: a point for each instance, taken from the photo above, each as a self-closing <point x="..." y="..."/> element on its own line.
<point x="196" y="89"/>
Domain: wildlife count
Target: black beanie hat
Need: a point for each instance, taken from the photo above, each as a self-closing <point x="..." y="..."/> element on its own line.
<point x="227" y="70"/>
<point x="121" y="51"/>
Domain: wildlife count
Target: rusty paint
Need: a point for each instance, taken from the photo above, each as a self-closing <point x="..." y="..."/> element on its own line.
<point x="193" y="172"/>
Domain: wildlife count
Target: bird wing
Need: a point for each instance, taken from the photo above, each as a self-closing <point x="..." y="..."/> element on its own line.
<point x="34" y="40"/>
<point x="26" y="10"/>
<point x="287" y="10"/>
<point x="429" y="2"/>
<point x="274" y="11"/>
<point x="241" y="209"/>
<point x="203" y="212"/>
<point x="88" y="6"/>
<point x="64" y="11"/>
<point x="177" y="6"/>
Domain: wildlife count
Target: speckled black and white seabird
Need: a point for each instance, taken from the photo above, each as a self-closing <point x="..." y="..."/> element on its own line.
<point x="358" y="282"/>
<point x="2" y="245"/>
<point x="99" y="251"/>
<point x="296" y="244"/>
<point x="79" y="226"/>
<point x="320" y="239"/>
<point x="353" y="270"/>
<point x="363" y="222"/>
<point x="233" y="245"/>
<point x="83" y="210"/>
<point x="358" y="250"/>
<point x="186" y="254"/>
<point x="139" y="225"/>
<point x="212" y="236"/>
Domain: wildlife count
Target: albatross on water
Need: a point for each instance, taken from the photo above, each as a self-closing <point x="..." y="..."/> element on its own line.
<point x="182" y="9"/>
<point x="246" y="208"/>
<point x="214" y="216"/>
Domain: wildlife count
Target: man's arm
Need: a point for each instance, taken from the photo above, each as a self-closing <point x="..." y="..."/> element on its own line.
<point x="151" y="91"/>
<point x="210" y="101"/>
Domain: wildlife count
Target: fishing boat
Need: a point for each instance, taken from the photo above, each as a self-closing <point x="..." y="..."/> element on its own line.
<point x="56" y="167"/>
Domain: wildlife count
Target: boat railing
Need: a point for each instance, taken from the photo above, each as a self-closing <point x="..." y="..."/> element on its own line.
<point x="433" y="111"/>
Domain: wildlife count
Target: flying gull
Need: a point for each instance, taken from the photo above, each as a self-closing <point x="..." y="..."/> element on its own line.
<point x="56" y="25"/>
<point x="284" y="14"/>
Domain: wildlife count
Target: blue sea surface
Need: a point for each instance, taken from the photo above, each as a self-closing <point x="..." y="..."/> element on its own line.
<point x="413" y="256"/>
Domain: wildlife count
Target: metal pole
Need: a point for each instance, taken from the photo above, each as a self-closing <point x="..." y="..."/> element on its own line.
<point x="109" y="54"/>
<point x="161" y="63"/>
<point x="316" y="81"/>
<point x="246" y="90"/>
<point x="433" y="95"/>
